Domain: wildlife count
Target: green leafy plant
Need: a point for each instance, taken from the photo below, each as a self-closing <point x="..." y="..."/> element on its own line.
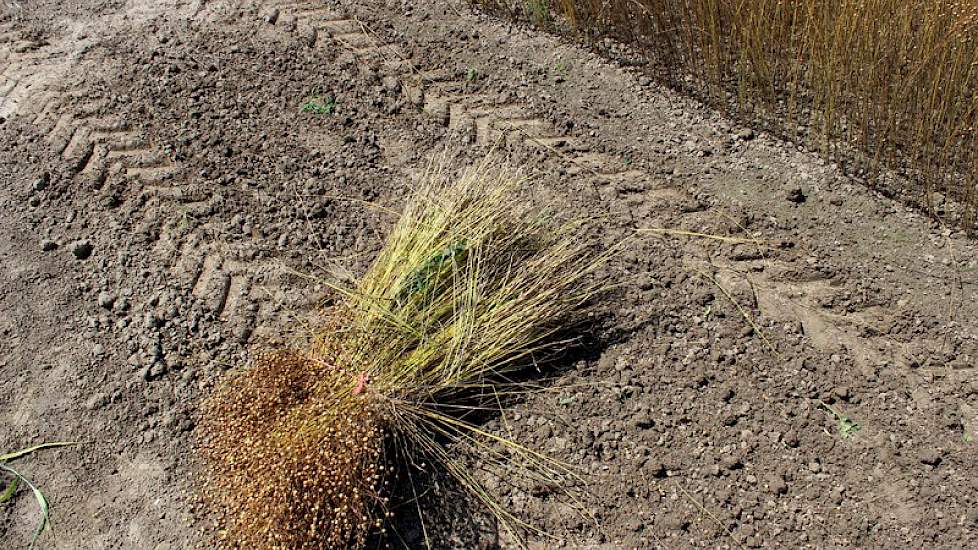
<point x="538" y="11"/>
<point x="846" y="426"/>
<point x="17" y="478"/>
<point x="319" y="104"/>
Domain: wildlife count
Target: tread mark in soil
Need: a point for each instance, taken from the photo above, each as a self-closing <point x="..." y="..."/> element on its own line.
<point x="607" y="166"/>
<point x="446" y="96"/>
<point x="26" y="68"/>
<point x="213" y="284"/>
<point x="79" y="149"/>
<point x="189" y="265"/>
<point x="827" y="331"/>
<point x="90" y="145"/>
<point x="62" y="133"/>
<point x="114" y="146"/>
<point x="311" y="22"/>
<point x="238" y="292"/>
<point x="491" y="122"/>
<point x="47" y="112"/>
<point x="226" y="286"/>
<point x="42" y="107"/>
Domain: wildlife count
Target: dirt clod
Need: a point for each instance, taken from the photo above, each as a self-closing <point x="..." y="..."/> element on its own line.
<point x="82" y="249"/>
<point x="797" y="196"/>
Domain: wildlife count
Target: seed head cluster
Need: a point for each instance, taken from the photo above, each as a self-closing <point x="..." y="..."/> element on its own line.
<point x="295" y="458"/>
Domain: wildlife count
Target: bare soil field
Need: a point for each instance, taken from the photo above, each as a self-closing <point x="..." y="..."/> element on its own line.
<point x="808" y="383"/>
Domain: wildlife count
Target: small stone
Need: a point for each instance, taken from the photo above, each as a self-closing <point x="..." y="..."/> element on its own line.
<point x="971" y="517"/>
<point x="656" y="469"/>
<point x="106" y="299"/>
<point x="308" y="37"/>
<point x="796" y="196"/>
<point x="646" y="282"/>
<point x="731" y="462"/>
<point x="97" y="401"/>
<point x="674" y="522"/>
<point x="175" y="364"/>
<point x="169" y="419"/>
<point x="98" y="350"/>
<point x="777" y="485"/>
<point x="47" y="245"/>
<point x="746" y="134"/>
<point x="154" y="352"/>
<point x="391" y="84"/>
<point x="643" y="420"/>
<point x="41" y="183"/>
<point x="931" y="457"/>
<point x="82" y="249"/>
<point x="814" y="467"/>
<point x="157" y="370"/>
<point x="152" y="320"/>
<point x="634" y="524"/>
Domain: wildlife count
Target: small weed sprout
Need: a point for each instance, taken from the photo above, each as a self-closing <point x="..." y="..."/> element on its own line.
<point x="319" y="105"/>
<point x="847" y="427"/>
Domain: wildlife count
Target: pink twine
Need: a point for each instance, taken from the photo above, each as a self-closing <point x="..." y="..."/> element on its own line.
<point x="361" y="383"/>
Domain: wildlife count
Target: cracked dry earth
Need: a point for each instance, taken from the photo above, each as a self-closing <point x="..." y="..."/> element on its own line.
<point x="161" y="190"/>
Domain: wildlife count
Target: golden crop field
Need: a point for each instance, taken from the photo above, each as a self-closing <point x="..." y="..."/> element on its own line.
<point x="882" y="84"/>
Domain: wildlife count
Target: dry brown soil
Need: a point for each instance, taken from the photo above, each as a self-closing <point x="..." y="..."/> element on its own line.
<point x="160" y="187"/>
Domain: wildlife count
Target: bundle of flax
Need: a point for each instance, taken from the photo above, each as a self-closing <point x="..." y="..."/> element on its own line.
<point x="470" y="285"/>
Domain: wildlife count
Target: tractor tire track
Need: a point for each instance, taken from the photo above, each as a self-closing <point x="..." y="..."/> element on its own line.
<point x="32" y="87"/>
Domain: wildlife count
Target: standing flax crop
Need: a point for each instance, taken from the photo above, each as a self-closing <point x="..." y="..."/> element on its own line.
<point x="470" y="287"/>
<point x="882" y="84"/>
